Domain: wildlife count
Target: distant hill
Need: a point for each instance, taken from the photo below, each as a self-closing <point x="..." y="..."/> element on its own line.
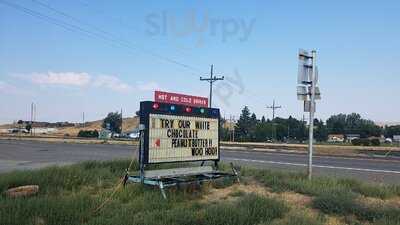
<point x="382" y="124"/>
<point x="128" y="124"/>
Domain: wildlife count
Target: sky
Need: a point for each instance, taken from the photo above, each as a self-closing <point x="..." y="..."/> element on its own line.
<point x="70" y="57"/>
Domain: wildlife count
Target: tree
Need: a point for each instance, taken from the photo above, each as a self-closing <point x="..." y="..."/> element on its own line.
<point x="321" y="132"/>
<point x="352" y="124"/>
<point x="243" y="125"/>
<point x="137" y="113"/>
<point x="28" y="127"/>
<point x="113" y="121"/>
<point x="336" y="124"/>
<point x="253" y="125"/>
<point x="392" y="130"/>
<point x="264" y="131"/>
<point x="224" y="131"/>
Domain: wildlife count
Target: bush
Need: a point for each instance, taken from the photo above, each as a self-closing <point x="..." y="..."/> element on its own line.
<point x="356" y="142"/>
<point x="340" y="203"/>
<point x="346" y="203"/>
<point x="88" y="133"/>
<point x="375" y="142"/>
<point x="361" y="142"/>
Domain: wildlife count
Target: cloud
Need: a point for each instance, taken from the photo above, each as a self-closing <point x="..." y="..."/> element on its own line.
<point x="112" y="83"/>
<point x="7" y="88"/>
<point x="150" y="86"/>
<point x="82" y="79"/>
<point x="63" y="78"/>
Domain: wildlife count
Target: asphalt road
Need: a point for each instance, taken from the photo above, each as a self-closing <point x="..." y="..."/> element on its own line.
<point x="31" y="154"/>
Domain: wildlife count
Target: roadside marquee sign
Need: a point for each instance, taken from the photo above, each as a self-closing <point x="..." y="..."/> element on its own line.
<point x="179" y="133"/>
<point x="176" y="132"/>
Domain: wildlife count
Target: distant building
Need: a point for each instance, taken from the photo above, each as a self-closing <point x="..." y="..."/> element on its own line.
<point x="350" y="137"/>
<point x="43" y="130"/>
<point x="334" y="138"/>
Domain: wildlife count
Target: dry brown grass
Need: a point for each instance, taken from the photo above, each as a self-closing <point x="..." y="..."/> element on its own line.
<point x="128" y="124"/>
<point x="299" y="204"/>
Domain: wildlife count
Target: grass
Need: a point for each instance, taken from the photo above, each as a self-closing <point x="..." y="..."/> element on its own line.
<point x="298" y="182"/>
<point x="68" y="195"/>
<point x="251" y="209"/>
<point x="336" y="196"/>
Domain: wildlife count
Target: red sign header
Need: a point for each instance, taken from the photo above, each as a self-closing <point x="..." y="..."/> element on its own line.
<point x="174" y="98"/>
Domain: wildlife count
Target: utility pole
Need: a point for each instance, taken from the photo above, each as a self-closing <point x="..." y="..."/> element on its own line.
<point x="122" y="121"/>
<point x="211" y="80"/>
<point x="31" y="119"/>
<point x="232" y="128"/>
<point x="34" y="117"/>
<point x="83" y="119"/>
<point x="274" y="108"/>
<point x="233" y="136"/>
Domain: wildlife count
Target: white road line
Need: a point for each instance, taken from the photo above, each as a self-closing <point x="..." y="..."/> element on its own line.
<point x="304" y="154"/>
<point x="317" y="166"/>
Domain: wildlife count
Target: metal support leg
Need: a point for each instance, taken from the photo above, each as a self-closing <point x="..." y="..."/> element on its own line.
<point x="234" y="171"/>
<point x="126" y="177"/>
<point x="216" y="165"/>
<point x="162" y="189"/>
<point x="141" y="159"/>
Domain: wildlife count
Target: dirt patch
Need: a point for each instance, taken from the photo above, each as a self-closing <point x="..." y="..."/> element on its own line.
<point x="296" y="198"/>
<point x="331" y="220"/>
<point x="393" y="202"/>
<point x="231" y="193"/>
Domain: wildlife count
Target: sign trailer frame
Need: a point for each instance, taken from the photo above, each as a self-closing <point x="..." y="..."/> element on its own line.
<point x="175" y="176"/>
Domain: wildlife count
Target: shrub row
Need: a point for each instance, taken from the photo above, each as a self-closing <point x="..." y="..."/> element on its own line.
<point x="366" y="142"/>
<point x="88" y="133"/>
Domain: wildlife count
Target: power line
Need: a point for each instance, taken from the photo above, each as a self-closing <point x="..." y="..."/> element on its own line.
<point x="103" y="35"/>
<point x="123" y="23"/>
<point x="100" y="34"/>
